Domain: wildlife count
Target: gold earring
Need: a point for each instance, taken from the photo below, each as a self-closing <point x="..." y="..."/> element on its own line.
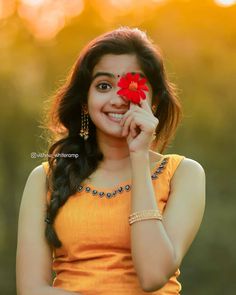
<point x="154" y="108"/>
<point x="84" y="131"/>
<point x="154" y="135"/>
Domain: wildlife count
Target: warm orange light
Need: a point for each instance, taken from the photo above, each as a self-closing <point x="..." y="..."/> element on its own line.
<point x="6" y="8"/>
<point x="45" y="18"/>
<point x="225" y="2"/>
<point x="122" y="3"/>
<point x="159" y="1"/>
<point x="33" y="2"/>
<point x="128" y="3"/>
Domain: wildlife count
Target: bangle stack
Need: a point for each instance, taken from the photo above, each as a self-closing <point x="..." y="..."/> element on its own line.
<point x="145" y="214"/>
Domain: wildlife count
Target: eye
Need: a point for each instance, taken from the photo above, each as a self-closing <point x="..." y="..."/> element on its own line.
<point x="103" y="86"/>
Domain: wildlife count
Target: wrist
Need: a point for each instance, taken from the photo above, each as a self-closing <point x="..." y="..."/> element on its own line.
<point x="139" y="155"/>
<point x="139" y="159"/>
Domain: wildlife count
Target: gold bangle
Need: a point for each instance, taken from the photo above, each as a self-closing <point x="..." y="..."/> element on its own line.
<point x="144" y="215"/>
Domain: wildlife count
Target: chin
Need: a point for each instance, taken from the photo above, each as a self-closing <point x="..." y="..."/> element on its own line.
<point x="108" y="126"/>
<point x="111" y="132"/>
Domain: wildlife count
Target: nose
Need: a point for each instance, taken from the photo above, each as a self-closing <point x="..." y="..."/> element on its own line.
<point x="119" y="100"/>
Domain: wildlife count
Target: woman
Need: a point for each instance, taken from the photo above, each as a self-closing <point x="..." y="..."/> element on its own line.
<point x="119" y="216"/>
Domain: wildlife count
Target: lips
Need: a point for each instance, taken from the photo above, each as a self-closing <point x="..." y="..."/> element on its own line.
<point x="116" y="112"/>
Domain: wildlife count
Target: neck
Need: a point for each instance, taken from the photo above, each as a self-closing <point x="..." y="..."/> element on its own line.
<point x="115" y="151"/>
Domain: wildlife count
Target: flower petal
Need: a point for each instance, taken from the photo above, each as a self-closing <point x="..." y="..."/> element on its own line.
<point x="142" y="94"/>
<point x="123" y="82"/>
<point x="129" y="77"/>
<point x="143" y="87"/>
<point x="142" y="81"/>
<point x="122" y="91"/>
<point x="135" y="97"/>
<point x="136" y="77"/>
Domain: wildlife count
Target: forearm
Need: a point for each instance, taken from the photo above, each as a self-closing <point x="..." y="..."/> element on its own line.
<point x="152" y="252"/>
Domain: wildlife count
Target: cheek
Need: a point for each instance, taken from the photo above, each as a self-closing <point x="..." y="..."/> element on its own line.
<point x="94" y="101"/>
<point x="149" y="94"/>
<point x="149" y="98"/>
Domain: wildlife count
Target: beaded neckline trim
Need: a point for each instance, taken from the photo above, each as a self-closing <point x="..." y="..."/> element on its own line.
<point x="124" y="188"/>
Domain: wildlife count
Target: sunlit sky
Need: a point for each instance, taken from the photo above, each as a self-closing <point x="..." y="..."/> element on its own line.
<point x="45" y="18"/>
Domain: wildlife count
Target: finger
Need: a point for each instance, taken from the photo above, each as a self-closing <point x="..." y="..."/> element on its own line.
<point x="122" y="121"/>
<point x="133" y="128"/>
<point x="144" y="105"/>
<point x="143" y="108"/>
<point x="133" y="106"/>
<point x="126" y="125"/>
<point x="130" y="111"/>
<point x="144" y="123"/>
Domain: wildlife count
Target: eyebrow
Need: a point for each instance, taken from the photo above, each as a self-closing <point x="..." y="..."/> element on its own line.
<point x="110" y="75"/>
<point x="103" y="74"/>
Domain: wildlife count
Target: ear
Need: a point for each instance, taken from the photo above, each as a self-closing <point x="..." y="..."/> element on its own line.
<point x="85" y="108"/>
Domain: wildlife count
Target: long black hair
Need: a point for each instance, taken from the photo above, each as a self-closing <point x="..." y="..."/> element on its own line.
<point x="64" y="117"/>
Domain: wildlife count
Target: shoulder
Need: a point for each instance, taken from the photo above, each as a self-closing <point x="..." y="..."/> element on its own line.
<point x="37" y="176"/>
<point x="182" y="165"/>
<point x="38" y="172"/>
<point x="35" y="191"/>
<point x="188" y="187"/>
<point x="185" y="173"/>
<point x="190" y="167"/>
<point x="189" y="173"/>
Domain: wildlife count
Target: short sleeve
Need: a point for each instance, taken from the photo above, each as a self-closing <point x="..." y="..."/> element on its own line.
<point x="173" y="164"/>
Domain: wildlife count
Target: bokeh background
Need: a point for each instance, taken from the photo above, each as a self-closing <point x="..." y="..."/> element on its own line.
<point x="39" y="42"/>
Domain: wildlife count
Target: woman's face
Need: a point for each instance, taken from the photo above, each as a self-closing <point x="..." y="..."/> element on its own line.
<point x="103" y="99"/>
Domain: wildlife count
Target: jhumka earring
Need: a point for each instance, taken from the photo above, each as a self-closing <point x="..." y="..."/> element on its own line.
<point x="154" y="108"/>
<point x="84" y="131"/>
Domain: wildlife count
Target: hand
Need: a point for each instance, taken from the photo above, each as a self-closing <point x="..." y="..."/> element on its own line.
<point x="139" y="125"/>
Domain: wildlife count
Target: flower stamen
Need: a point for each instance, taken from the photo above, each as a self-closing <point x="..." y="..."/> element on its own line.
<point x="133" y="86"/>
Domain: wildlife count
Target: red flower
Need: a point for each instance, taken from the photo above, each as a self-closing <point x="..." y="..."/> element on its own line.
<point x="132" y="87"/>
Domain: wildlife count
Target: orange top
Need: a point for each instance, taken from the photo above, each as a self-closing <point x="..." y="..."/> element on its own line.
<point x="93" y="227"/>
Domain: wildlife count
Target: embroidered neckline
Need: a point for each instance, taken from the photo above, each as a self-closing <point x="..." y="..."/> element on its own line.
<point x="110" y="193"/>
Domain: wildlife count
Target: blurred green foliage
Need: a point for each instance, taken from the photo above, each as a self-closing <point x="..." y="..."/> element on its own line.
<point x="198" y="40"/>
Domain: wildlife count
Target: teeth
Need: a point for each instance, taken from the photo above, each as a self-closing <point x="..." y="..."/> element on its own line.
<point x="118" y="116"/>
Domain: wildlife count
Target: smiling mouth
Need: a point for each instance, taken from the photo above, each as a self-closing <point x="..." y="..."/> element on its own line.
<point x="114" y="116"/>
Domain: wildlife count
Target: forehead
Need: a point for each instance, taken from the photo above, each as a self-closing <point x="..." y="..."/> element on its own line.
<point x="118" y="64"/>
